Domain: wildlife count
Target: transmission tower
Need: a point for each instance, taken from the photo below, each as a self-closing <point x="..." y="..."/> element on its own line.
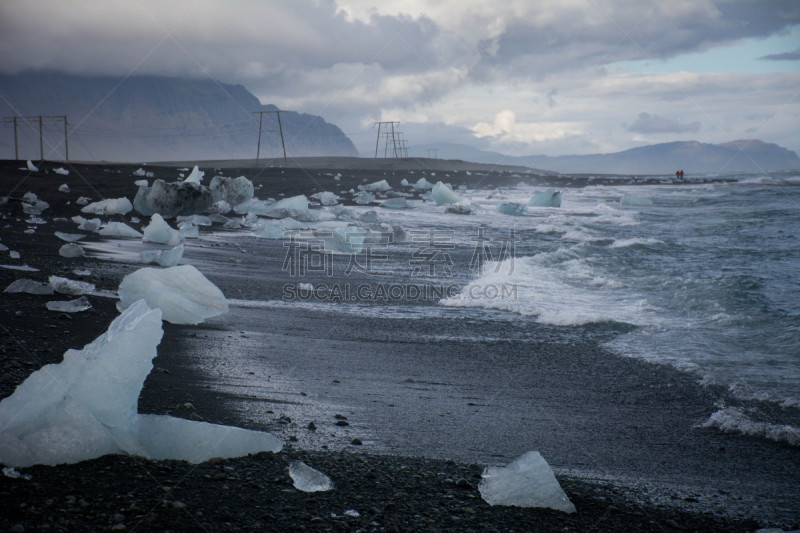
<point x="392" y="133"/>
<point x="40" y="120"/>
<point x="280" y="129"/>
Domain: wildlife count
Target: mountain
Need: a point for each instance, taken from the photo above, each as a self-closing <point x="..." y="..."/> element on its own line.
<point x="152" y="118"/>
<point x="665" y="158"/>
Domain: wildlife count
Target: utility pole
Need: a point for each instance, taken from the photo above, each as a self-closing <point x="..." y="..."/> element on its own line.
<point x="40" y="120"/>
<point x="280" y="128"/>
<point x="435" y="153"/>
<point x="16" y="142"/>
<point x="387" y="134"/>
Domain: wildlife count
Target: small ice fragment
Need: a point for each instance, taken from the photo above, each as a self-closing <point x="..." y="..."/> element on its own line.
<point x="29" y="286"/>
<point x="13" y="254"/>
<point x="395" y="203"/>
<point x="61" y="171"/>
<point x="182" y="293"/>
<point x="32" y="205"/>
<point x="71" y="250"/>
<point x="443" y="194"/>
<point x="10" y="471"/>
<point x="139" y="172"/>
<point x="546" y="198"/>
<point x="352" y="512"/>
<point x="21" y="268"/>
<point x="511" y="208"/>
<point x="165" y="258"/>
<point x="196" y="176"/>
<point x="83" y="200"/>
<point x="159" y="231"/>
<point x="63" y="188"/>
<point x="119" y="229"/>
<point x="87" y="225"/>
<point x="528" y="481"/>
<point x="305" y="286"/>
<point x="189" y="230"/>
<point x="111" y="206"/>
<point x="69" y="237"/>
<point x="326" y="198"/>
<point x="220" y="208"/>
<point x="141" y="183"/>
<point x="423" y="184"/>
<point x="378" y="186"/>
<point x="72" y="306"/>
<point x="82" y="272"/>
<point x="308" y="479"/>
<point x="71" y="287"/>
<point x="364" y="198"/>
<point x="30" y="166"/>
<point x="404" y="182"/>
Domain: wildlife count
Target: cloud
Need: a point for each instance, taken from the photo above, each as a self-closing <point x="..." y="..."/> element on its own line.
<point x="647" y="123"/>
<point x="785" y="56"/>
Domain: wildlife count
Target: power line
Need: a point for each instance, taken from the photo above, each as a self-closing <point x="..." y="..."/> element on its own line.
<point x="40" y="120"/>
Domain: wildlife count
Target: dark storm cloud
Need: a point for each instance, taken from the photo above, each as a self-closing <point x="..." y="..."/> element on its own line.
<point x="785" y="56"/>
<point x="647" y="123"/>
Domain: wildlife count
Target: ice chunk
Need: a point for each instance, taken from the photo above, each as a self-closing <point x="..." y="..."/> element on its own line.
<point x="111" y="206"/>
<point x="511" y="208"/>
<point x="141" y="183"/>
<point x="197" y="220"/>
<point x="349" y="240"/>
<point x="86" y="406"/>
<point x="326" y="198"/>
<point x="295" y="207"/>
<point x="404" y="182"/>
<point x="139" y="172"/>
<point x="308" y="479"/>
<point x="29" y="286"/>
<point x="546" y="198"/>
<point x="71" y="250"/>
<point x="159" y="231"/>
<point x="165" y="258"/>
<point x="82" y="272"/>
<point x="70" y="286"/>
<point x="423" y="184"/>
<point x="172" y="199"/>
<point x="220" y="208"/>
<point x="443" y="194"/>
<point x="182" y="293"/>
<point x="632" y="199"/>
<point x="83" y="200"/>
<point x="234" y="191"/>
<point x="32" y="205"/>
<point x="70" y="237"/>
<point x="528" y="481"/>
<point x="271" y="229"/>
<point x="189" y="230"/>
<point x="364" y="198"/>
<point x="73" y="306"/>
<point x="195" y="176"/>
<point x="30" y="166"/>
<point x="21" y="268"/>
<point x="87" y="225"/>
<point x="395" y="203"/>
<point x="378" y="186"/>
<point x="61" y="171"/>
<point x="13" y="254"/>
<point x="119" y="229"/>
<point x="63" y="188"/>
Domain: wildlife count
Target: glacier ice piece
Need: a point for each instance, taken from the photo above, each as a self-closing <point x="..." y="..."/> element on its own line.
<point x="234" y="191"/>
<point x="119" y="229"/>
<point x="220" y="208"/>
<point x="21" y="268"/>
<point x="141" y="183"/>
<point x="511" y="208"/>
<point x="404" y="182"/>
<point x="633" y="200"/>
<point x="189" y="230"/>
<point x="528" y="481"/>
<point x="86" y="406"/>
<point x="71" y="250"/>
<point x="172" y="199"/>
<point x="87" y="225"/>
<point x="254" y="206"/>
<point x="71" y="287"/>
<point x="308" y="479"/>
<point x="395" y="203"/>
<point x="423" y="184"/>
<point x="327" y="198"/>
<point x="63" y="188"/>
<point x="72" y="306"/>
<point x="83" y="200"/>
<point x="32" y="205"/>
<point x="61" y="171"/>
<point x="182" y="293"/>
<point x="70" y="237"/>
<point x="165" y="258"/>
<point x="546" y="198"/>
<point x="349" y="240"/>
<point x="30" y="166"/>
<point x="443" y="194"/>
<point x="378" y="186"/>
<point x="29" y="286"/>
<point x="295" y="207"/>
<point x="110" y="206"/>
<point x="197" y="220"/>
<point x="139" y="172"/>
<point x="159" y="231"/>
<point x="364" y="198"/>
<point x="195" y="176"/>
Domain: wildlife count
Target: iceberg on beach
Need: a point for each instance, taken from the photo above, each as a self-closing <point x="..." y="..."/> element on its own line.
<point x="395" y="203"/>
<point x="347" y="240"/>
<point x="182" y="293"/>
<point x="195" y="176"/>
<point x="295" y="207"/>
<point x="326" y="198"/>
<point x="86" y="406"/>
<point x="63" y="188"/>
<point x="32" y="205"/>
<point x="165" y="258"/>
<point x="378" y="186"/>
<point x="173" y="199"/>
<point x="87" y="225"/>
<point x="546" y="198"/>
<point x="160" y="232"/>
<point x="511" y="208"/>
<point x="30" y="166"/>
<point x="61" y="171"/>
<point x="528" y="481"/>
<point x="71" y="250"/>
<point x="71" y="287"/>
<point x="69" y="237"/>
<point x="308" y="479"/>
<point x="119" y="229"/>
<point x="111" y="206"/>
<point x="29" y="286"/>
<point x="234" y="191"/>
<point x="364" y="198"/>
<point x="443" y="194"/>
<point x="73" y="306"/>
<point x="422" y="184"/>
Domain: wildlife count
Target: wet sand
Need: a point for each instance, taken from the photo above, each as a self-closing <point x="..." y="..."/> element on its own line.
<point x="408" y="387"/>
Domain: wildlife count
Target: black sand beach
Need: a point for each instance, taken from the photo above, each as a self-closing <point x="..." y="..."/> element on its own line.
<point x="582" y="412"/>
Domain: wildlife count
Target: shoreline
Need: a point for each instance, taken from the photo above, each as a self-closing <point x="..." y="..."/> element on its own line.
<point x="426" y="494"/>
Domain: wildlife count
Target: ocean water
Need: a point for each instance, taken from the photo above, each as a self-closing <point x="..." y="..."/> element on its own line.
<point x="707" y="275"/>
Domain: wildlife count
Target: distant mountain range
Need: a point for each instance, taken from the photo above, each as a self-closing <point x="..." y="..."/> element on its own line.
<point x="691" y="156"/>
<point x="152" y="118"/>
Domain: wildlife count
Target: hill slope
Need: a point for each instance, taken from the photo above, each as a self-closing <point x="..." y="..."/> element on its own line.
<point x="150" y="118"/>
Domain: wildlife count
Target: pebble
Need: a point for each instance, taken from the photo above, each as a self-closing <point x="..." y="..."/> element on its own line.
<point x="342" y="423"/>
<point x="356" y="442"/>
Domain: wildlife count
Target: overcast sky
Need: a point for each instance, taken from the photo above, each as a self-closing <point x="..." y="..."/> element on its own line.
<point x="517" y="76"/>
